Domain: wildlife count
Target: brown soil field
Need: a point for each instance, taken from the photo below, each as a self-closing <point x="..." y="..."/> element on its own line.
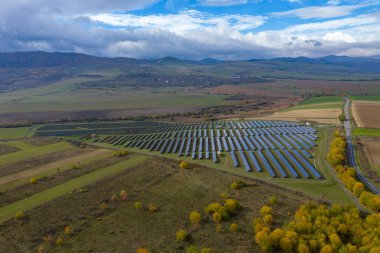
<point x="325" y="116"/>
<point x="373" y="150"/>
<point x="366" y="114"/>
<point x="26" y="164"/>
<point x="99" y="225"/>
<point x="5" y="149"/>
<point x="49" y="166"/>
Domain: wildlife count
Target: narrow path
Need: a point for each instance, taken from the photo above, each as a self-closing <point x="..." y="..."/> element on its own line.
<point x="53" y="165"/>
<point x="351" y="150"/>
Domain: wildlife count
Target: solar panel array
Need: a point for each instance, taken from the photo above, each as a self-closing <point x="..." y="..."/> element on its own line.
<point x="282" y="149"/>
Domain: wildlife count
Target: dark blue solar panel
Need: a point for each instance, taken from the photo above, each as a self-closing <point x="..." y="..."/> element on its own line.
<point x="307" y="164"/>
<point x="255" y="162"/>
<point x="266" y="164"/>
<point x="234" y="160"/>
<point x="288" y="166"/>
<point x="299" y="166"/>
<point x="245" y="162"/>
<point x="276" y="164"/>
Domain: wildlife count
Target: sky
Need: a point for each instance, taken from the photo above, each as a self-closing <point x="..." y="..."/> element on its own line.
<point x="193" y="29"/>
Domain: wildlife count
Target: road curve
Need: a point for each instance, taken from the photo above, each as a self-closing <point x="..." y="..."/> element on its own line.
<point x="351" y="150"/>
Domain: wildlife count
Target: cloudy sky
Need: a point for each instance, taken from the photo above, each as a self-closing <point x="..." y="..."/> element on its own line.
<point x="193" y="29"/>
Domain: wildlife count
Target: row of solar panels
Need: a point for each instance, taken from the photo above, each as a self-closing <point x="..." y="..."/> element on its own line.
<point x="188" y="126"/>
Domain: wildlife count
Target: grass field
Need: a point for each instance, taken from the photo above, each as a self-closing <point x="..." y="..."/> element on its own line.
<point x="99" y="224"/>
<point x="366" y="132"/>
<point x="13" y="133"/>
<point x="55" y="192"/>
<point x="322" y="100"/>
<point x="366" y="98"/>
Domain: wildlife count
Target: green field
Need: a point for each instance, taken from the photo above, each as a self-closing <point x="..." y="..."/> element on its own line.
<point x="321" y="100"/>
<point x="13" y="133"/>
<point x="366" y="98"/>
<point x="366" y="132"/>
<point x="55" y="192"/>
<point x="67" y="96"/>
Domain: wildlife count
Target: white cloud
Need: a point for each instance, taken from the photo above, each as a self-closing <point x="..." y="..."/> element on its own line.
<point x="222" y="2"/>
<point x="181" y="23"/>
<point x="320" y="11"/>
<point x="333" y="2"/>
<point x="339" y="36"/>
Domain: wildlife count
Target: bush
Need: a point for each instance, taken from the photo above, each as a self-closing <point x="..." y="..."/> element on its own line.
<point x="121" y="153"/>
<point x="268" y="219"/>
<point x="237" y="184"/>
<point x="265" y="210"/>
<point x="358" y="188"/>
<point x="153" y="207"/>
<point x="123" y="195"/>
<point x="206" y="250"/>
<point x="286" y="244"/>
<point x="19" y="215"/>
<point x="67" y="230"/>
<point x="181" y="235"/>
<point x="113" y="198"/>
<point x="272" y="201"/>
<point x="59" y="241"/>
<point x="195" y="217"/>
<point x="142" y="250"/>
<point x="33" y="180"/>
<point x="234" y="227"/>
<point x="137" y="205"/>
<point x="184" y="165"/>
<point x="192" y="249"/>
<point x="216" y="217"/>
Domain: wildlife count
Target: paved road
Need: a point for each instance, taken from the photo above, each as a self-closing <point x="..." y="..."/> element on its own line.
<point x="351" y="150"/>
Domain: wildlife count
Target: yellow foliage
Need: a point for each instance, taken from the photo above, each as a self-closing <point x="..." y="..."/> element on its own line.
<point x="237" y="184"/>
<point x="184" y="165"/>
<point x="375" y="250"/>
<point x="234" y="227"/>
<point x="195" y="217"/>
<point x="268" y="219"/>
<point x="231" y="205"/>
<point x="181" y="235"/>
<point x="216" y="217"/>
<point x="206" y="250"/>
<point x="59" y="241"/>
<point x="19" y="215"/>
<point x="358" y="188"/>
<point x="272" y="201"/>
<point x="142" y="250"/>
<point x="137" y="205"/>
<point x="303" y="248"/>
<point x="286" y="244"/>
<point x="33" y="180"/>
<point x="265" y="210"/>
<point x="67" y="230"/>
<point x="327" y="249"/>
<point x="153" y="207"/>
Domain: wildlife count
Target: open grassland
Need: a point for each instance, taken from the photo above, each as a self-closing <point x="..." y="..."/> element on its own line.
<point x="98" y="224"/>
<point x="366" y="114"/>
<point x="366" y="132"/>
<point x="14" y="133"/>
<point x="43" y="197"/>
<point x="322" y="100"/>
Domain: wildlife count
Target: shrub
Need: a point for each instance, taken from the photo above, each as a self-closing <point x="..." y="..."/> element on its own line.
<point x="237" y="184"/>
<point x="358" y="188"/>
<point x="327" y="249"/>
<point x="216" y="217"/>
<point x="192" y="249"/>
<point x="231" y="205"/>
<point x="123" y="195"/>
<point x="153" y="207"/>
<point x="212" y="208"/>
<point x="67" y="230"/>
<point x="181" y="235"/>
<point x="137" y="205"/>
<point x="206" y="250"/>
<point x="121" y="153"/>
<point x="268" y="219"/>
<point x="286" y="244"/>
<point x="303" y="248"/>
<point x="195" y="217"/>
<point x="184" y="165"/>
<point x="19" y="215"/>
<point x="59" y="241"/>
<point x="113" y="198"/>
<point x="234" y="227"/>
<point x="223" y="195"/>
<point x="33" y="180"/>
<point x="272" y="201"/>
<point x="142" y="250"/>
<point x="265" y="210"/>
